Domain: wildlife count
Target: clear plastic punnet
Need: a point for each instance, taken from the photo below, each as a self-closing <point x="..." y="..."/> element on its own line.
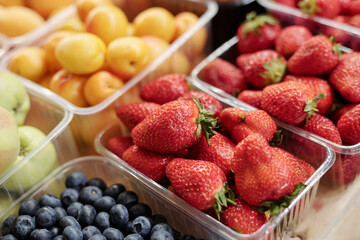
<point x="280" y="226"/>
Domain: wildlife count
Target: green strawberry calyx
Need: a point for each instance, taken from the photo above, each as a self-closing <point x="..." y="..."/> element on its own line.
<point x="310" y="106"/>
<point x="275" y="71"/>
<point x="277" y="139"/>
<point x="205" y="121"/>
<point x="336" y="46"/>
<point x="253" y="22"/>
<point x="309" y="7"/>
<point x="222" y="198"/>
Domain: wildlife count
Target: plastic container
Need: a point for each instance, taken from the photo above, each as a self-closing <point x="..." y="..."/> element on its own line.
<point x="207" y="227"/>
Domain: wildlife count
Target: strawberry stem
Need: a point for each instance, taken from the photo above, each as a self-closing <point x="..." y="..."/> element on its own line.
<point x="336" y="46"/>
<point x="310" y="106"/>
<point x="224" y="196"/>
<point x="275" y="71"/>
<point x="309" y="7"/>
<point x="254" y="22"/>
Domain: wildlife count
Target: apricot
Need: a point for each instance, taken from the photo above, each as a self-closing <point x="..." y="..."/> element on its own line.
<point x="157" y="47"/>
<point x="81" y="53"/>
<point x="7" y="3"/>
<point x="83" y="7"/>
<point x="45" y="81"/>
<point x="29" y="62"/>
<point x="10" y="24"/>
<point x="46" y="7"/>
<point x="73" y="23"/>
<point x="179" y="63"/>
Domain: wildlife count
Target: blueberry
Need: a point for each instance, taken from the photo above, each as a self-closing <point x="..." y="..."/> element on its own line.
<point x="104" y="204"/>
<point x="73" y="209"/>
<point x="41" y="234"/>
<point x="54" y="230"/>
<point x="187" y="237"/>
<point x="59" y="237"/>
<point x="114" y="190"/>
<point x="68" y="196"/>
<point x="134" y="236"/>
<point x="127" y="229"/>
<point x="72" y="233"/>
<point x="98" y="182"/>
<point x="158" y="218"/>
<point x="127" y="198"/>
<point x="6" y="225"/>
<point x="60" y="213"/>
<point x="22" y="226"/>
<point x="50" y="201"/>
<point x="139" y="209"/>
<point x="98" y="237"/>
<point x="161" y="234"/>
<point x="90" y="231"/>
<point x="89" y="194"/>
<point x="29" y="207"/>
<point x="86" y="215"/>
<point x="8" y="237"/>
<point x="162" y="226"/>
<point x="119" y="216"/>
<point x="69" y="221"/>
<point x="102" y="221"/>
<point x="45" y="217"/>
<point x="113" y="234"/>
<point x="75" y="180"/>
<point x="142" y="226"/>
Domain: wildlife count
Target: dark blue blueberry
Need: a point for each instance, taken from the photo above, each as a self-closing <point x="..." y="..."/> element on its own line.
<point x="141" y="225"/>
<point x="90" y="231"/>
<point x="73" y="209"/>
<point x="75" y="180"/>
<point x="119" y="216"/>
<point x="68" y="196"/>
<point x="187" y="237"/>
<point x="98" y="182"/>
<point x="104" y="204"/>
<point x="113" y="234"/>
<point x="54" y="231"/>
<point x="50" y="201"/>
<point x="59" y="237"/>
<point x="114" y="190"/>
<point x="45" y="217"/>
<point x="89" y="194"/>
<point x="98" y="237"/>
<point x="127" y="198"/>
<point x="41" y="234"/>
<point x="22" y="226"/>
<point x="102" y="221"/>
<point x="29" y="207"/>
<point x="162" y="226"/>
<point x="69" y="221"/>
<point x="6" y="225"/>
<point x="60" y="213"/>
<point x="127" y="229"/>
<point x="134" y="236"/>
<point x="72" y="233"/>
<point x="139" y="209"/>
<point x="87" y="214"/>
<point x="158" y="218"/>
<point x="161" y="234"/>
<point x="8" y="237"/>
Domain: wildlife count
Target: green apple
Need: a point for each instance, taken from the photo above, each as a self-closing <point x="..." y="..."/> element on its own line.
<point x="36" y="168"/>
<point x="6" y="201"/>
<point x="9" y="140"/>
<point x="13" y="96"/>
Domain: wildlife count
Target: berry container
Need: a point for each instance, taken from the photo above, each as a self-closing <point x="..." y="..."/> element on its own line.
<point x="205" y="226"/>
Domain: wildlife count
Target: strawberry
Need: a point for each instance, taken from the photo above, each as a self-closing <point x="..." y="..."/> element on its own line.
<point x="210" y="103"/>
<point x="262" y="68"/>
<point x="347" y="170"/>
<point x="252" y="97"/>
<point x="345" y="6"/>
<point x="224" y="75"/>
<point x="321" y="8"/>
<point x="318" y="86"/>
<point x="164" y="89"/>
<point x="354" y="7"/>
<point x="151" y="164"/>
<point x="340" y="35"/>
<point x="118" y="145"/>
<point x="257" y="33"/>
<point x="220" y="151"/>
<point x="345" y="78"/>
<point x="341" y="110"/>
<point x="290" y="39"/>
<point x="200" y="183"/>
<point x="349" y="126"/>
<point x="291" y="102"/>
<point x="133" y="113"/>
<point x="290" y="3"/>
<point x="174" y="126"/>
<point x="242" y="218"/>
<point x="317" y="56"/>
<point x="349" y="55"/>
<point x="323" y="127"/>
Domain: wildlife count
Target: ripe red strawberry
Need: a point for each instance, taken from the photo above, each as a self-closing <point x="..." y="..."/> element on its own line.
<point x="210" y="103"/>
<point x="291" y="102"/>
<point x="118" y="145"/>
<point x="200" y="183"/>
<point x="341" y="110"/>
<point x="174" y="126"/>
<point x="349" y="55"/>
<point x="318" y="86"/>
<point x="262" y="68"/>
<point x="224" y="75"/>
<point x="323" y="127"/>
<point x="220" y="151"/>
<point x="317" y="56"/>
<point x="164" y="89"/>
<point x="133" y="113"/>
<point x="345" y="78"/>
<point x="252" y="97"/>
<point x="347" y="170"/>
<point x="242" y="218"/>
<point x="340" y="35"/>
<point x="151" y="164"/>
<point x="290" y="39"/>
<point x="290" y="3"/>
<point x="349" y="126"/>
<point x="257" y="33"/>
<point x="354" y="7"/>
<point x="321" y="8"/>
<point x="345" y="6"/>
